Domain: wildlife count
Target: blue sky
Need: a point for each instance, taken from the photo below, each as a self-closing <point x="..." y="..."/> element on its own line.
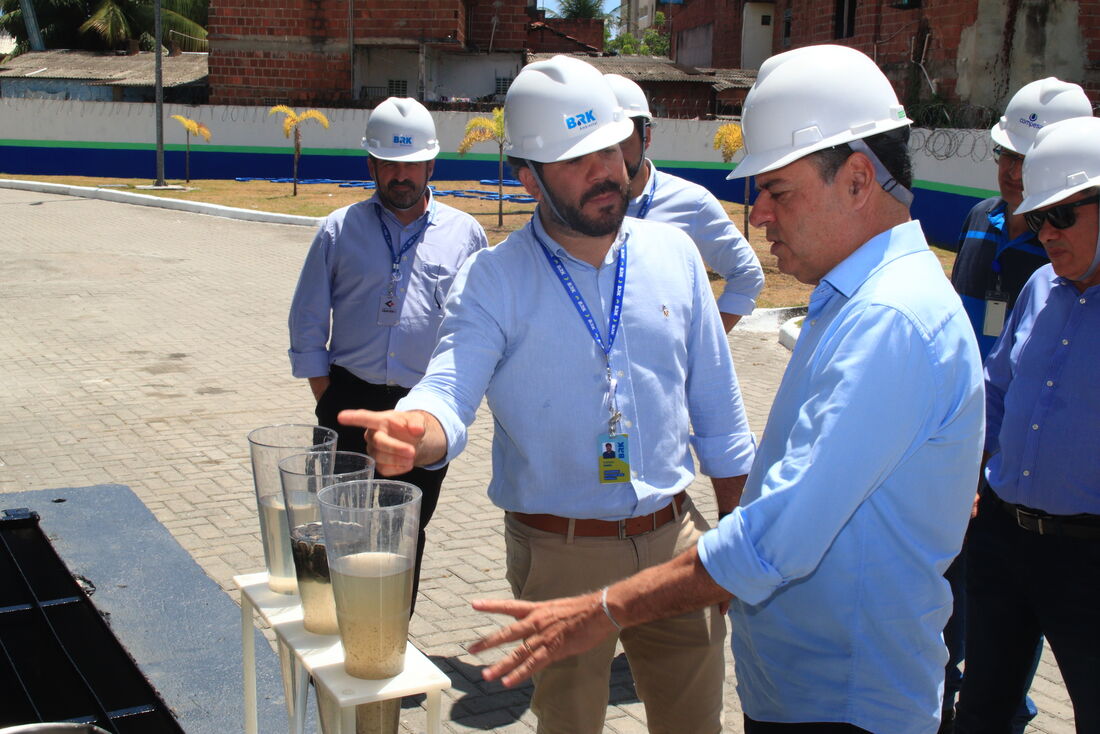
<point x="608" y="5"/>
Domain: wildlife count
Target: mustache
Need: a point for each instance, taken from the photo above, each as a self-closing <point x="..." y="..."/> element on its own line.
<point x="601" y="189"/>
<point x="395" y="184"/>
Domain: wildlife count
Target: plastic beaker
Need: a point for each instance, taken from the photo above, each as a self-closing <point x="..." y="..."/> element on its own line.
<point x="303" y="476"/>
<point x="267" y="446"/>
<point x="370" y="536"/>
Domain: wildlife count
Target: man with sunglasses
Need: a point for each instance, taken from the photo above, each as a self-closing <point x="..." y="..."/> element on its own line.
<point x="997" y="253"/>
<point x="1034" y="547"/>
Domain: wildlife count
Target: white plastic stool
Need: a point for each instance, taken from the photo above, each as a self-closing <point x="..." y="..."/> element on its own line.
<point x="322" y="657"/>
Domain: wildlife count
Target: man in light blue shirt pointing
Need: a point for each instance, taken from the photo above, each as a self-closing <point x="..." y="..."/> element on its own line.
<point x="582" y="329"/>
<point x="862" y="485"/>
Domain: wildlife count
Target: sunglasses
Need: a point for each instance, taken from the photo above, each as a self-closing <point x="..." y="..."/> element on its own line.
<point x="1006" y="156"/>
<point x="1060" y="217"/>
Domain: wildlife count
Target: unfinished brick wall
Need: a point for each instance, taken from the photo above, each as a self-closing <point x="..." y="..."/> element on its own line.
<point x="296" y="51"/>
<point x="724" y="14"/>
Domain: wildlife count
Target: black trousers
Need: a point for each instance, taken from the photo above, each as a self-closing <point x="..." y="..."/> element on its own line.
<point x="346" y="392"/>
<point x="763" y="727"/>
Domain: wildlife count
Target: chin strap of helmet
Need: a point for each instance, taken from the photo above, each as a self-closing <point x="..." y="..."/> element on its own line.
<point x="546" y="193"/>
<point x="888" y="183"/>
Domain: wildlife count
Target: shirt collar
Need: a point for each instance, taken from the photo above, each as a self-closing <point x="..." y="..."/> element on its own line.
<point x="883" y="248"/>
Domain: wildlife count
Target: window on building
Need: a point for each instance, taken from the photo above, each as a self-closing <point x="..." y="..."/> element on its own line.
<point x="765" y="20"/>
<point x="503" y="82"/>
<point x="787" y="28"/>
<point x="397" y="88"/>
<point x="845" y="19"/>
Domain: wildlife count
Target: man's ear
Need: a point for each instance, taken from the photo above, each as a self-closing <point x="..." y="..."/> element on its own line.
<point x="527" y="178"/>
<point x="648" y="138"/>
<point x="370" y="168"/>
<point x="429" y="170"/>
<point x="859" y="178"/>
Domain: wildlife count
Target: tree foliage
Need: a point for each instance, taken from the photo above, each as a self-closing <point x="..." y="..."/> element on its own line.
<point x="729" y="140"/>
<point x="654" y="40"/>
<point x="573" y="9"/>
<point x="103" y="25"/>
<point x="482" y="130"/>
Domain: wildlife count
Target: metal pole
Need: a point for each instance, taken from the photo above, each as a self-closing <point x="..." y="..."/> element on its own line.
<point x="34" y="36"/>
<point x="160" y="97"/>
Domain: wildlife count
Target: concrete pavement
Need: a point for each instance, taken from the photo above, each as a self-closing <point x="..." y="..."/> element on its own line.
<point x="141" y="345"/>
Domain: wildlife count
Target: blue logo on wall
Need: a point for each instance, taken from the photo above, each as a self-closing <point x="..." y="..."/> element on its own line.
<point x="581" y="121"/>
<point x="402" y="140"/>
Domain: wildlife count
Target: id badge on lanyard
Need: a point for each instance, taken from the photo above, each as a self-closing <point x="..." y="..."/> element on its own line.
<point x="389" y="303"/>
<point x="613" y="447"/>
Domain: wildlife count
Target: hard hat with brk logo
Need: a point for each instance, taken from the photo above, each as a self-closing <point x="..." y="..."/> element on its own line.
<point x="401" y="129"/>
<point x="560" y="109"/>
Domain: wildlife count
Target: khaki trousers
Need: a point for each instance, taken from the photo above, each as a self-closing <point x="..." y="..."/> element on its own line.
<point x="678" y="664"/>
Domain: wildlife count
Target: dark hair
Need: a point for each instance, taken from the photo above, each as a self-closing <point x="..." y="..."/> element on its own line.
<point x="891" y="147"/>
<point x="516" y="164"/>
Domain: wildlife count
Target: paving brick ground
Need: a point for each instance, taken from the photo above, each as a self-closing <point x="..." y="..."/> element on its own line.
<point x="141" y="345"/>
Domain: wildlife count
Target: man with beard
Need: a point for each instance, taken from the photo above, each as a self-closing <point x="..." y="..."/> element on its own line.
<point x="858" y="499"/>
<point x="583" y="329"/>
<point x="662" y="197"/>
<point x="366" y="313"/>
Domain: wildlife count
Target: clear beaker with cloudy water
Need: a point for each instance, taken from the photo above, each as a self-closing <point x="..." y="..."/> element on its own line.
<point x="370" y="537"/>
<point x="267" y="446"/>
<point x="303" y="477"/>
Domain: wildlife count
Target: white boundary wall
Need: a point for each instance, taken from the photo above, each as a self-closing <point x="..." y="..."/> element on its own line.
<point x="948" y="157"/>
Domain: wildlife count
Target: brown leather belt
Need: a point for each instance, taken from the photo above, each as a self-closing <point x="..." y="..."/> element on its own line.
<point x="604" y="528"/>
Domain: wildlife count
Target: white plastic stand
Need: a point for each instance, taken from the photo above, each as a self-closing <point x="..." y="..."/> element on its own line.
<point x="322" y="657"/>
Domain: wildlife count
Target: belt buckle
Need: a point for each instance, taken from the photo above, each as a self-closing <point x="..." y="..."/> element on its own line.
<point x="622" y="529"/>
<point x="1034" y="522"/>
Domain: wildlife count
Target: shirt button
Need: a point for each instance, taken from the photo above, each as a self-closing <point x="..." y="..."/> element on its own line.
<point x="402" y="289"/>
<point x="392" y="354"/>
<point x="628" y="424"/>
<point x="621" y="373"/>
<point x="1082" y="300"/>
<point x="1065" y="341"/>
<point x="404" y="258"/>
<point x="813" y="322"/>
<point x="1050" y="383"/>
<point x="1027" y="473"/>
<point x="1035" y="426"/>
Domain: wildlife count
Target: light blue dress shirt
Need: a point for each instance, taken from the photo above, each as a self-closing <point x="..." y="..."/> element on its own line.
<point x="1042" y="399"/>
<point x="346" y="272"/>
<point x="697" y="212"/>
<point x="858" y="500"/>
<point x="512" y="334"/>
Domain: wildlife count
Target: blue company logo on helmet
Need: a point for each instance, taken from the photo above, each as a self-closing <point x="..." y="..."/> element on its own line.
<point x="580" y="122"/>
<point x="1030" y="121"/>
<point x="405" y="140"/>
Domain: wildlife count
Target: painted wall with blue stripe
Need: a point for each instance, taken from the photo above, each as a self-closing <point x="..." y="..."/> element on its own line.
<point x="51" y="137"/>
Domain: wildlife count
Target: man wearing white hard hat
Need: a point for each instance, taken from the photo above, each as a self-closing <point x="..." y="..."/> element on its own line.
<point x="662" y="197"/>
<point x="587" y="328"/>
<point x="1033" y="564"/>
<point x="369" y="301"/>
<point x="862" y="484"/>
<point x="997" y="253"/>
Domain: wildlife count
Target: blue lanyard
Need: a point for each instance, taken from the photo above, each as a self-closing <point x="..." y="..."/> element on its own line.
<point x="649" y="199"/>
<point x="395" y="273"/>
<point x="574" y="294"/>
<point x="586" y="315"/>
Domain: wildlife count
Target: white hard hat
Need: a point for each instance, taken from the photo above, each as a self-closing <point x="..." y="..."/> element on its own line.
<point x="1064" y="159"/>
<point x="561" y="109"/>
<point x="401" y="129"/>
<point x="810" y="99"/>
<point x="630" y="95"/>
<point x="1035" y="105"/>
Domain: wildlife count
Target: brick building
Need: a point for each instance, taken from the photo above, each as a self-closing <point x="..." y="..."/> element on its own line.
<point x="954" y="61"/>
<point x="357" y="52"/>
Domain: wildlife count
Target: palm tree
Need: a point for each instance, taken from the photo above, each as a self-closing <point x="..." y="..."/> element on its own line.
<point x="119" y="21"/>
<point x="192" y="128"/>
<point x="482" y="130"/>
<point x="58" y="21"/>
<point x="729" y="140"/>
<point x="291" y="123"/>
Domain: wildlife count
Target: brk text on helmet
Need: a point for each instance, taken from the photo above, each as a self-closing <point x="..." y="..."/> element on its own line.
<point x="583" y="120"/>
